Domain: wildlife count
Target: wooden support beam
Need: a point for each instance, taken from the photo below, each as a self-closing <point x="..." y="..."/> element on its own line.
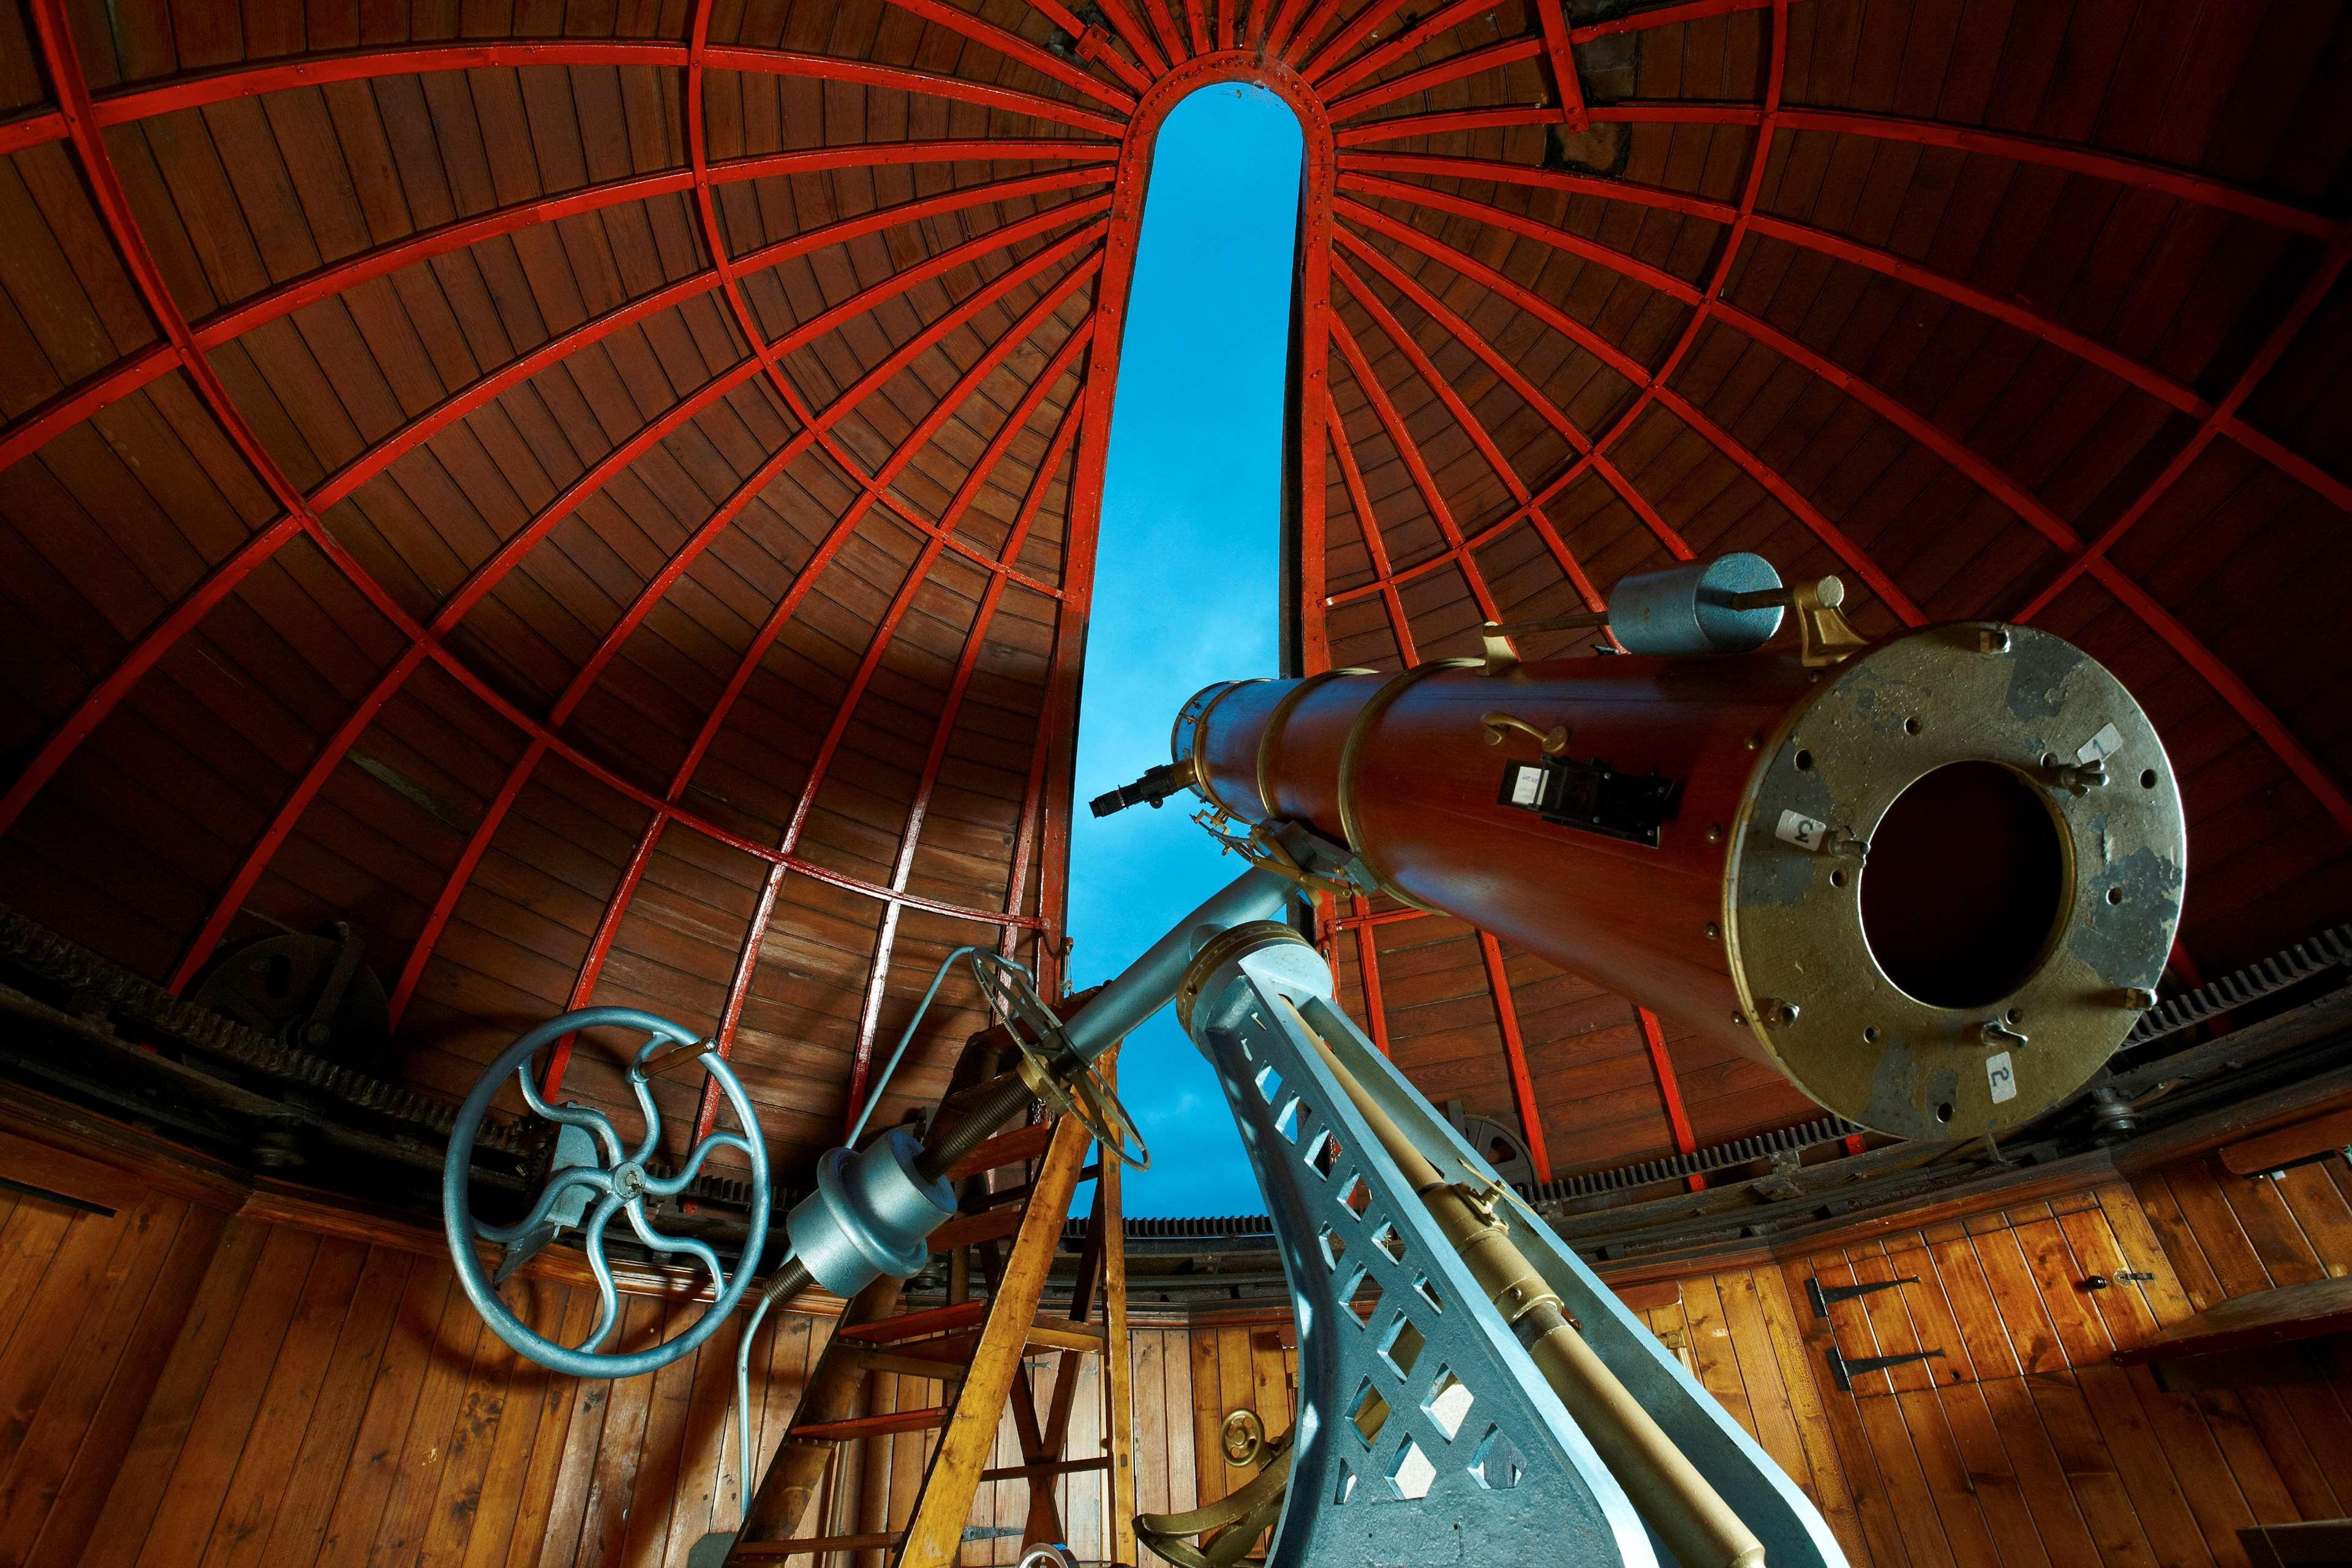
<point x="1017" y="1147"/>
<point x="780" y="1549"/>
<point x="936" y="1533"/>
<point x="870" y="1426"/>
<point x="993" y="1225"/>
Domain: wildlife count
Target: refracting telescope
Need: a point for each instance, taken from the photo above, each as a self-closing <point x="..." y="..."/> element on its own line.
<point x="1931" y="879"/>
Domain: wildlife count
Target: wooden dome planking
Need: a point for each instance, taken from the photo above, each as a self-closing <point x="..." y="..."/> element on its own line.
<point x="603" y="499"/>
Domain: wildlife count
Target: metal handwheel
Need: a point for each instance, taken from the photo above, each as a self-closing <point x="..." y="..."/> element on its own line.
<point x="618" y="1183"/>
<point x="1011" y="997"/>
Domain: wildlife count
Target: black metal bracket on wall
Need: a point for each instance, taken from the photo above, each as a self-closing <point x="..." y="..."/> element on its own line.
<point x="1845" y="1372"/>
<point x="1821" y="1295"/>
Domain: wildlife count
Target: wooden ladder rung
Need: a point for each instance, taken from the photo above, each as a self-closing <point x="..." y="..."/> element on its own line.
<point x="809" y="1543"/>
<point x="870" y="1426"/>
<point x="991" y="1224"/>
<point x="951" y="1368"/>
<point x="1056" y="1467"/>
<point x="1021" y="1144"/>
<point x="1066" y="1335"/>
<point x="914" y="1325"/>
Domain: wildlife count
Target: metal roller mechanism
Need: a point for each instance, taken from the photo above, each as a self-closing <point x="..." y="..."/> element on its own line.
<point x="1933" y="880"/>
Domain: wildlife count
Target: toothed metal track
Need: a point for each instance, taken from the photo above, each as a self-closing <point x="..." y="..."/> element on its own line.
<point x="2329" y="948"/>
<point x="140" y="1002"/>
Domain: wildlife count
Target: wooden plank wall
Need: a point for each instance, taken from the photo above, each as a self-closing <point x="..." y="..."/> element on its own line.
<point x="182" y="1385"/>
<point x="179" y="1386"/>
<point x="2023" y="1446"/>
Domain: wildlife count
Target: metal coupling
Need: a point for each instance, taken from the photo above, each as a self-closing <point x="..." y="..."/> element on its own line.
<point x="872" y="1214"/>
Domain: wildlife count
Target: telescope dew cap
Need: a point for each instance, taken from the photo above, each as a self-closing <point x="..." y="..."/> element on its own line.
<point x="1687" y="610"/>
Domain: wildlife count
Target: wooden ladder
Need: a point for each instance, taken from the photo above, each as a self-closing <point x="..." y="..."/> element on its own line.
<point x="977" y="1349"/>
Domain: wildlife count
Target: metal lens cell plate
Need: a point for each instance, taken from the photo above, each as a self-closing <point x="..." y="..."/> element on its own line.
<point x="1953" y="866"/>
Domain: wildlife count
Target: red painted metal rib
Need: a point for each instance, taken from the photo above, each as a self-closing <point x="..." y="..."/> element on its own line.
<point x="1196" y="17"/>
<point x="1285" y="22"/>
<point x="289" y="811"/>
<point x="74" y="105"/>
<point x="1163" y="24"/>
<point x="701" y="539"/>
<point x="1132" y="34"/>
<point x="437" y="919"/>
<point x="102" y="698"/>
<point x="1399" y="623"/>
<point x="1670" y="16"/>
<point x="867" y="73"/>
<point x="1545" y="234"/>
<point x="2074" y="158"/>
<point x="943" y="731"/>
<point x="2314" y="293"/>
<point x="1486" y="276"/>
<point x="1406" y="127"/>
<point x="2257" y="714"/>
<point x="115" y="210"/>
<point x="1515" y="1051"/>
<point x="1504" y="173"/>
<point x="1312" y="376"/>
<point x="1477" y="62"/>
<point x="1597" y="459"/>
<point x="1367" y="971"/>
<point x="1014" y="47"/>
<point x="323" y="70"/>
<point x="158" y="639"/>
<point x="582" y="682"/>
<point x="2122" y="366"/>
<point x="1803" y="510"/>
<point x="1455" y="406"/>
<point x="1365" y="917"/>
<point x="1437" y="23"/>
<point x="1410" y="450"/>
<point x="1566" y="86"/>
<point x="804" y="579"/>
<point x="34" y="430"/>
<point x="1670" y="1091"/>
<point x="1366" y="22"/>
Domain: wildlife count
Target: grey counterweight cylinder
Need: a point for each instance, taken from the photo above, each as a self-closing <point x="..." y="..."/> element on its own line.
<point x="1695" y="608"/>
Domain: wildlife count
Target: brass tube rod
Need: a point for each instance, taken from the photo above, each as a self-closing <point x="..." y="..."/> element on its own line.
<point x="1688" y="1514"/>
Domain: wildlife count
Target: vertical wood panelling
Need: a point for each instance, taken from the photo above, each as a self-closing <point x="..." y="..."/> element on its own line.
<point x="181" y="1386"/>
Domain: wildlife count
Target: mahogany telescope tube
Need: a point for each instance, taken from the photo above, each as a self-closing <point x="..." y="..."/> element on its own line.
<point x="1934" y="884"/>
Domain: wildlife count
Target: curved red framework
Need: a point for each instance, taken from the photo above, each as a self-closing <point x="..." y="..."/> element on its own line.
<point x="953" y="254"/>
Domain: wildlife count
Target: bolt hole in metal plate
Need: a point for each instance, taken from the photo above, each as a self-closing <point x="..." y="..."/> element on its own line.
<point x="1995" y="881"/>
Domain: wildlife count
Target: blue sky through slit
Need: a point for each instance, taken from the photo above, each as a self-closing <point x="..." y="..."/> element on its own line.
<point x="1186" y="583"/>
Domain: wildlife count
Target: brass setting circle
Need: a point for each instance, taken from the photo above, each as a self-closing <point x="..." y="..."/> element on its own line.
<point x="1240" y="1436"/>
<point x="1951" y="866"/>
<point x="1223" y="949"/>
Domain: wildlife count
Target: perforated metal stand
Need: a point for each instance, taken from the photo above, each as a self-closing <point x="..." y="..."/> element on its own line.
<point x="1426" y="1435"/>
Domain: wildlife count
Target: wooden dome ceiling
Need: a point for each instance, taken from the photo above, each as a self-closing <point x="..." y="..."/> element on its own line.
<point x="603" y="498"/>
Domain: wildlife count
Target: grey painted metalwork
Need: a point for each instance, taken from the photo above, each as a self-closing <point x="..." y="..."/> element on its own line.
<point x="1395" y="1336"/>
<point x="1147" y="985"/>
<point x="621" y="1182"/>
<point x="1687" y="610"/>
<point x="870" y="1215"/>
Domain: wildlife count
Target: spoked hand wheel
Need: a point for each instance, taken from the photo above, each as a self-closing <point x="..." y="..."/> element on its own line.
<point x="608" y="1181"/>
